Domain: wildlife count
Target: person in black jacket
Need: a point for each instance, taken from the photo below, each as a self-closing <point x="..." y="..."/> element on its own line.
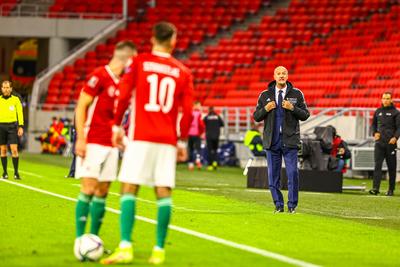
<point x="386" y="131"/>
<point x="213" y="123"/>
<point x="281" y="107"/>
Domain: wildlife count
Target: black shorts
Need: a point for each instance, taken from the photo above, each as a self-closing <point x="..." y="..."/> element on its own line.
<point x="8" y="133"/>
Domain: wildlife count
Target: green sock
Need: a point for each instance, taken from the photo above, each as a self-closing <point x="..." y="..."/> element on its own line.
<point x="163" y="218"/>
<point x="97" y="210"/>
<point x="128" y="202"/>
<point x="81" y="213"/>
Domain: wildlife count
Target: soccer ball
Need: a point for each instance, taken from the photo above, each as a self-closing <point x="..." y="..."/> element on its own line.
<point x="88" y="247"/>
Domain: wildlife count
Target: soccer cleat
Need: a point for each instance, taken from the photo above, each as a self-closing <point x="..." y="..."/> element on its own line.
<point x="4" y="176"/>
<point x="210" y="168"/>
<point x="120" y="255"/>
<point x="157" y="256"/>
<point x="17" y="177"/>
<point x="292" y="210"/>
<point x="373" y="192"/>
<point x="389" y="193"/>
<point x="278" y="210"/>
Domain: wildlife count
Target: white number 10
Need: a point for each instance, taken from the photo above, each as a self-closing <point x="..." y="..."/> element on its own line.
<point x="165" y="90"/>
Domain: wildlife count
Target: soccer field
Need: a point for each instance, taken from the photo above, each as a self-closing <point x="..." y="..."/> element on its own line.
<point x="216" y="222"/>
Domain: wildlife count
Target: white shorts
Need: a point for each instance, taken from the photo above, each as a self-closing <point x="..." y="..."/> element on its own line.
<point x="147" y="163"/>
<point x="100" y="162"/>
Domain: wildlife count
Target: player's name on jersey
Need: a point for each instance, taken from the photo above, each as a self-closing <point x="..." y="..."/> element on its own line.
<point x="161" y="68"/>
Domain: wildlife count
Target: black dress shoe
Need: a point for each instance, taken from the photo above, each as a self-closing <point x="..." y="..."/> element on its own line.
<point x="4" y="176"/>
<point x="17" y="177"/>
<point x="374" y="192"/>
<point x="389" y="193"/>
<point x="278" y="210"/>
<point x="292" y="210"/>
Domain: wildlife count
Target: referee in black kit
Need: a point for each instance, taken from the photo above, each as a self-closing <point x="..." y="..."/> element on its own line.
<point x="11" y="126"/>
<point x="386" y="130"/>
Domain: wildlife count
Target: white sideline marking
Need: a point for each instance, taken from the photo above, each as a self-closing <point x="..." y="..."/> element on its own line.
<point x="175" y="207"/>
<point x="28" y="173"/>
<point x="343" y="216"/>
<point x="200" y="189"/>
<point x="257" y="190"/>
<point x="258" y="251"/>
<point x="317" y="193"/>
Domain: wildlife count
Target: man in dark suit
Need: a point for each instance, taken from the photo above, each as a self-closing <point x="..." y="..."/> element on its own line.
<point x="281" y="106"/>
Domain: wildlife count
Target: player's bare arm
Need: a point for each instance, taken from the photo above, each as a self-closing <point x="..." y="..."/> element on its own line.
<point x="118" y="135"/>
<point x="84" y="101"/>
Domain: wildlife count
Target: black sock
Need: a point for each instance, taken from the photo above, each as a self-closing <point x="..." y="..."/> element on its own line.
<point x="4" y="163"/>
<point x="15" y="163"/>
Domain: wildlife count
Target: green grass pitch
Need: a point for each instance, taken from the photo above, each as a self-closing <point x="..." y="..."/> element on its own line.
<point x="349" y="229"/>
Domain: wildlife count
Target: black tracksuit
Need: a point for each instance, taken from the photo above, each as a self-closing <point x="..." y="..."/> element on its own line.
<point x="386" y="121"/>
<point x="213" y="123"/>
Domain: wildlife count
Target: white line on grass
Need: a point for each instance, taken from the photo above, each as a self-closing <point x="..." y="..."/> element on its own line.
<point x="200" y="189"/>
<point x="317" y="193"/>
<point x="175" y="207"/>
<point x="343" y="216"/>
<point x="28" y="173"/>
<point x="264" y="191"/>
<point x="258" y="251"/>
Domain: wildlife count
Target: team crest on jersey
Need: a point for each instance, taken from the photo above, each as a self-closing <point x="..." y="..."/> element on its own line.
<point x="93" y="82"/>
<point x="111" y="91"/>
<point x="292" y="100"/>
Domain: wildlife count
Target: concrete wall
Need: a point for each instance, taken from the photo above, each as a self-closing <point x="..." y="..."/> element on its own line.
<point x="47" y="28"/>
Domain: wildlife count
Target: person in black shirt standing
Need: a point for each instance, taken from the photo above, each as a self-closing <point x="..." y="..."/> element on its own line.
<point x="386" y="131"/>
<point x="213" y="123"/>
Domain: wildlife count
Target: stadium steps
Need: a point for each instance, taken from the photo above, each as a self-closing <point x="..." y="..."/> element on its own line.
<point x="268" y="8"/>
<point x="195" y="24"/>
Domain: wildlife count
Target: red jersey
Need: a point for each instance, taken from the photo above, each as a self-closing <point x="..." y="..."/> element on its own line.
<point x="158" y="85"/>
<point x="102" y="85"/>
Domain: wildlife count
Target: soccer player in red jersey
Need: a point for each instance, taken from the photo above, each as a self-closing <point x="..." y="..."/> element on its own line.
<point x="97" y="160"/>
<point x="160" y="85"/>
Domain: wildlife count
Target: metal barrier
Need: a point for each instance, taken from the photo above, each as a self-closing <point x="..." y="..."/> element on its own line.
<point x="42" y="81"/>
<point x="19" y="10"/>
<point x="43" y="78"/>
<point x="238" y="119"/>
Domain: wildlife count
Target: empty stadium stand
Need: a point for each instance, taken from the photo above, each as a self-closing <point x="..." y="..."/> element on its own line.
<point x="195" y="22"/>
<point x="336" y="51"/>
<point x="324" y="54"/>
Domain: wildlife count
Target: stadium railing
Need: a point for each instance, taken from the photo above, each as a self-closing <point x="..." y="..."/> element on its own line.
<point x="42" y="79"/>
<point x="41" y="83"/>
<point x="32" y="10"/>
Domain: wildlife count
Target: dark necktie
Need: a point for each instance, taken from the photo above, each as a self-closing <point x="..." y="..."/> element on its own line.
<point x="280" y="100"/>
<point x="280" y="108"/>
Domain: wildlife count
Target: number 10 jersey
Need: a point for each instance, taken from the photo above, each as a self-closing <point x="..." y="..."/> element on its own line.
<point x="158" y="86"/>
